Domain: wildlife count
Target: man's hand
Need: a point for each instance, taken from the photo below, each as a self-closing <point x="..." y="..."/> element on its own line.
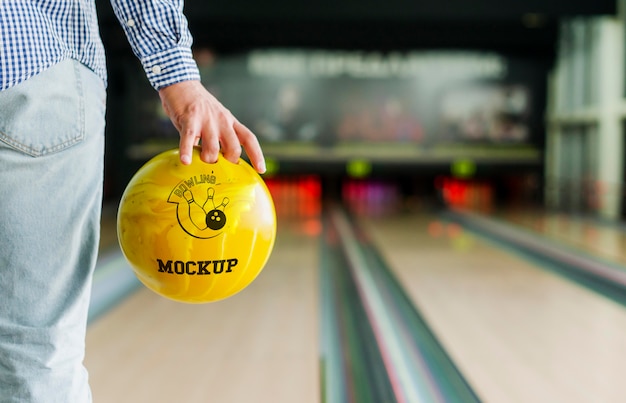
<point x="198" y="115"/>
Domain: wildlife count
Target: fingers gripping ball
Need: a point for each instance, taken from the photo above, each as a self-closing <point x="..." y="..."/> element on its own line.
<point x="196" y="233"/>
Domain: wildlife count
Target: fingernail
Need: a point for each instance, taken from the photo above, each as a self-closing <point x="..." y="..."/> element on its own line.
<point x="185" y="159"/>
<point x="261" y="168"/>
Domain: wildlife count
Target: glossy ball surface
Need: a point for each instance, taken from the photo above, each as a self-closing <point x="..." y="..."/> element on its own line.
<point x="196" y="233"/>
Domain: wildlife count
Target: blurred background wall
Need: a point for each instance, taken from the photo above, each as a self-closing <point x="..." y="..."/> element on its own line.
<point x="458" y="102"/>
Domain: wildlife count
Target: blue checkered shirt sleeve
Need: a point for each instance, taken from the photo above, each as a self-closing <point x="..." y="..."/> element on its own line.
<point x="158" y="34"/>
<point x="35" y="35"/>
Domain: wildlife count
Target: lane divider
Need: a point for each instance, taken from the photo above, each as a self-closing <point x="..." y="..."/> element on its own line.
<point x="604" y="277"/>
<point x="352" y="366"/>
<point x="406" y="383"/>
<point x="416" y="367"/>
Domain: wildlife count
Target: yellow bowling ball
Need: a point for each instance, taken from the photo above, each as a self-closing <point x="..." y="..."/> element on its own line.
<point x="196" y="233"/>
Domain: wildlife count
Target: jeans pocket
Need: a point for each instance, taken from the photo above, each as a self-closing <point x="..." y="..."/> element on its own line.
<point x="46" y="113"/>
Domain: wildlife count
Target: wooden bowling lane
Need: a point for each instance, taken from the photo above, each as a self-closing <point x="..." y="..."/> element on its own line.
<point x="604" y="239"/>
<point x="258" y="346"/>
<point x="517" y="332"/>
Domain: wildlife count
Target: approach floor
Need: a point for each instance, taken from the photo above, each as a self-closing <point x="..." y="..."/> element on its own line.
<point x="514" y="330"/>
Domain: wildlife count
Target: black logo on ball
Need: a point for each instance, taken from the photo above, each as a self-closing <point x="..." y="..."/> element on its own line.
<point x="197" y="211"/>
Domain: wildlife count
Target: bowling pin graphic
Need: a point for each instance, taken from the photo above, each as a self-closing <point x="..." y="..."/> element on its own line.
<point x="194" y="218"/>
<point x="210" y="192"/>
<point x="195" y="212"/>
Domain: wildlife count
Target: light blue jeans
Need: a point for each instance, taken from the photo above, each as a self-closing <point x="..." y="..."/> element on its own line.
<point x="51" y="174"/>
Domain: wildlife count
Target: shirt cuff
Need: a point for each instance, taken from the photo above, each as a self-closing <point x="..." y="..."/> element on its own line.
<point x="170" y="66"/>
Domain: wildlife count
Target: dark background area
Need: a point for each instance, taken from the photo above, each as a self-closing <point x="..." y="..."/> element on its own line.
<point x="525" y="33"/>
<point x="513" y="26"/>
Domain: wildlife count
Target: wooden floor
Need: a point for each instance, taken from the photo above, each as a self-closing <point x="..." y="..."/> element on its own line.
<point x="258" y="346"/>
<point x="517" y="332"/>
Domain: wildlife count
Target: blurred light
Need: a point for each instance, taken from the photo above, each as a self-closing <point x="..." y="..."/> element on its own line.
<point x="454" y="230"/>
<point x="358" y="168"/>
<point x="312" y="227"/>
<point x="463" y="168"/>
<point x="534" y="20"/>
<point x="271" y="166"/>
<point x="435" y="229"/>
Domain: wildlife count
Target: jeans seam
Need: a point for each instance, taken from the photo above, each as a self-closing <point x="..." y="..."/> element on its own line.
<point x="81" y="102"/>
<point x="32" y="152"/>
